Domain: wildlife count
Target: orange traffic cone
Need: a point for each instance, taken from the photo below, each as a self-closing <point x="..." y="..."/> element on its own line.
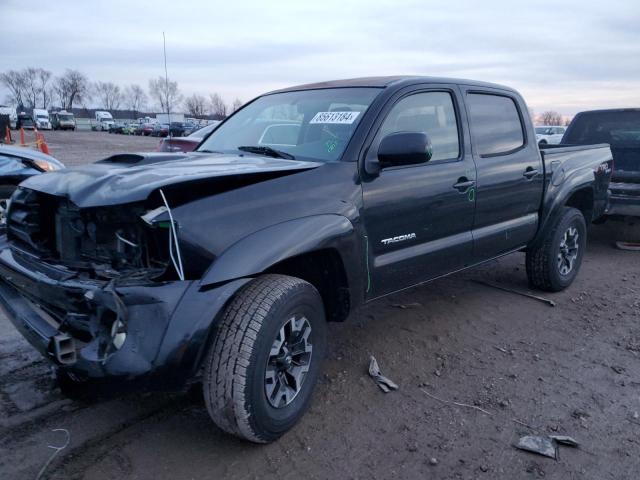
<point x="22" y="142"/>
<point x="44" y="148"/>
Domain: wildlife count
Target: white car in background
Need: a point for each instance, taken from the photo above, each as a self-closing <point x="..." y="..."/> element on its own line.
<point x="549" y="134"/>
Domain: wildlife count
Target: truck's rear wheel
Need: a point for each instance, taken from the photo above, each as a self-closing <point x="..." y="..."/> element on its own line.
<point x="554" y="264"/>
<point x="265" y="359"/>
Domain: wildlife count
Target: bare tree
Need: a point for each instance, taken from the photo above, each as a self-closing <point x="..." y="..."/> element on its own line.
<point x="108" y="94"/>
<point x="43" y="85"/>
<point x="567" y="121"/>
<point x="31" y="91"/>
<point x="217" y="106"/>
<point x="165" y="93"/>
<point x="196" y="105"/>
<point x="237" y="103"/>
<point x="135" y="98"/>
<point x="13" y="80"/>
<point x="71" y="87"/>
<point x="550" y="117"/>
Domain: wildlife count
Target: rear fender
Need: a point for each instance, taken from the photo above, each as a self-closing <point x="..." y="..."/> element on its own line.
<point x="559" y="190"/>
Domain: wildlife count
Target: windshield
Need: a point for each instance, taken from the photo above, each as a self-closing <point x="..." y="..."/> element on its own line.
<point x="41" y="115"/>
<point x="65" y="117"/>
<point x="544" y="131"/>
<point x="619" y="129"/>
<point x="310" y="124"/>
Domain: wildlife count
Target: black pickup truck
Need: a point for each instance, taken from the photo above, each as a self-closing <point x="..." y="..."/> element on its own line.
<point x="620" y="128"/>
<point x="225" y="264"/>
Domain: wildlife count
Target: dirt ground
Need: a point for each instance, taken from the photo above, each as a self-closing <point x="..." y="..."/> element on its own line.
<point x="77" y="148"/>
<point x="571" y="369"/>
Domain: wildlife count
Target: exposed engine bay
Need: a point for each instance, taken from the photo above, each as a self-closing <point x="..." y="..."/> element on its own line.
<point x="114" y="242"/>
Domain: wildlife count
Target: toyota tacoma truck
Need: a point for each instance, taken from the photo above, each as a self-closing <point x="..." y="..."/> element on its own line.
<point x="225" y="264"/>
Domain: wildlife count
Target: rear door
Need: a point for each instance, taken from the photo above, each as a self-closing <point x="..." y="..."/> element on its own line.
<point x="510" y="172"/>
<point x="418" y="218"/>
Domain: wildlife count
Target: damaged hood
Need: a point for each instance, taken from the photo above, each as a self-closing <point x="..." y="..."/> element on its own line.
<point x="133" y="177"/>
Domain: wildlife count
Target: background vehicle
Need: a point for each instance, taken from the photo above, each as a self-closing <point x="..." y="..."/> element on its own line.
<point x="13" y="116"/>
<point x="18" y="164"/>
<point x="176" y="129"/>
<point x="117" y="127"/>
<point x="63" y="120"/>
<point x="25" y="121"/>
<point x="130" y="129"/>
<point x="104" y="120"/>
<point x="160" y="130"/>
<point x="189" y="128"/>
<point x="41" y="119"/>
<point x="188" y="143"/>
<point x="549" y="135"/>
<point x="145" y="129"/>
<point x="229" y="260"/>
<point x="620" y="128"/>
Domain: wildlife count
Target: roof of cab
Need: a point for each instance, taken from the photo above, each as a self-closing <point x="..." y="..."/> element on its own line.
<point x="391" y="81"/>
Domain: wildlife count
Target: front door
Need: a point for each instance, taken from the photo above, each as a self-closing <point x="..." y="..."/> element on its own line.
<point x="418" y="218"/>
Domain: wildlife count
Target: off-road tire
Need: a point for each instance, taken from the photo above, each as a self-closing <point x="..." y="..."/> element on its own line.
<point x="234" y="371"/>
<point x="542" y="269"/>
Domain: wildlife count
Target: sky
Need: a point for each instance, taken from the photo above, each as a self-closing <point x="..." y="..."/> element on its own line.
<point x="562" y="55"/>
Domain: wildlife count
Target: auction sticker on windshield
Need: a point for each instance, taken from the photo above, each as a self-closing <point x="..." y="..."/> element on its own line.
<point x="335" y="117"/>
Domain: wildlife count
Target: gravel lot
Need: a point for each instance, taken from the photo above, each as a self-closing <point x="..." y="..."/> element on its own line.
<point x="77" y="148"/>
<point x="571" y="369"/>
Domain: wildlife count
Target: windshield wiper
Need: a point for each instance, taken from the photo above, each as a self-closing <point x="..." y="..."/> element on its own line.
<point x="267" y="151"/>
<point x="207" y="151"/>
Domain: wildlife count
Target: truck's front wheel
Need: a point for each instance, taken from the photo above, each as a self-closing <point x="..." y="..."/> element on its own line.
<point x="554" y="264"/>
<point x="265" y="359"/>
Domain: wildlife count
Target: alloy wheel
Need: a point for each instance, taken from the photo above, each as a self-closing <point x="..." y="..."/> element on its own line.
<point x="289" y="361"/>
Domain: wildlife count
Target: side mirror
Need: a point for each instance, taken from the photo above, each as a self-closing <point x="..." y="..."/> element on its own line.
<point x="404" y="148"/>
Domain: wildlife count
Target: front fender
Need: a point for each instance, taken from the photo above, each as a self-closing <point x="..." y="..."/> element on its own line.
<point x="264" y="248"/>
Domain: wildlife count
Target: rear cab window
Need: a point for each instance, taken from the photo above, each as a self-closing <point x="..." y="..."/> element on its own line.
<point x="496" y="125"/>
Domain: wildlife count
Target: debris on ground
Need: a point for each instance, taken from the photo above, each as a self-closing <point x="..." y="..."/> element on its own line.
<point x="459" y="404"/>
<point x="56" y="450"/>
<point x="383" y="382"/>
<point x="405" y="306"/>
<point x="546" y="446"/>
<point x="549" y="302"/>
<point x="541" y="445"/>
<point x="565" y="440"/>
<point x="632" y="246"/>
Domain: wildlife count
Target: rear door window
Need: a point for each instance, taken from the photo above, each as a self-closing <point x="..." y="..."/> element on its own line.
<point x="496" y="126"/>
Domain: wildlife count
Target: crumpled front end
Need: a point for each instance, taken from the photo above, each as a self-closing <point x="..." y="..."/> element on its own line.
<point x="93" y="328"/>
<point x="96" y="290"/>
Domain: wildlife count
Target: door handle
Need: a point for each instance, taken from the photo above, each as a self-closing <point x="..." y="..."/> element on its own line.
<point x="530" y="172"/>
<point x="464" y="184"/>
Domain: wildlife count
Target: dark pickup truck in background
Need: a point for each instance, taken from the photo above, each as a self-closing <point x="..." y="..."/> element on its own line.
<point x="224" y="264"/>
<point x="620" y="128"/>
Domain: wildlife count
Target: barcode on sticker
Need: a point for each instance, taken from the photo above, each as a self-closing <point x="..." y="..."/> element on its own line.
<point x="335" y="117"/>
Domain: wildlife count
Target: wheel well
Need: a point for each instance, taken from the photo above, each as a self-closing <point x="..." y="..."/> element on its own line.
<point x="325" y="271"/>
<point x="582" y="200"/>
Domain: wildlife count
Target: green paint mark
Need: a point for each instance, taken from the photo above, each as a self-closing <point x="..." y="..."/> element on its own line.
<point x="331" y="145"/>
<point x="471" y="195"/>
<point x="366" y="261"/>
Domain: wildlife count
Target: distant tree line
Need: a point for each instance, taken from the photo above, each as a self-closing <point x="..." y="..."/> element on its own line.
<point x="551" y="117"/>
<point x="38" y="88"/>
